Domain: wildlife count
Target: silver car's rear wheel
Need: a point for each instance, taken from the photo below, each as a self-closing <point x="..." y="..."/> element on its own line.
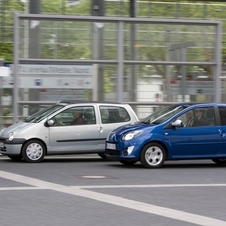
<point x="33" y="151"/>
<point x="153" y="155"/>
<point x="102" y="155"/>
<point x="219" y="161"/>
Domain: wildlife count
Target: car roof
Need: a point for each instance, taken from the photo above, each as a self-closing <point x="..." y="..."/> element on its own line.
<point x="87" y="102"/>
<point x="187" y="104"/>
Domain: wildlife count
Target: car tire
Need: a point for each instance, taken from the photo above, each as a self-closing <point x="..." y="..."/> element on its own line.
<point x="219" y="161"/>
<point x="33" y="151"/>
<point x="15" y="157"/>
<point x="102" y="155"/>
<point x="128" y="163"/>
<point x="153" y="155"/>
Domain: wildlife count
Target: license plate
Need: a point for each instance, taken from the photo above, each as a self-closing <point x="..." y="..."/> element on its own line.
<point x="111" y="146"/>
<point x="1" y="145"/>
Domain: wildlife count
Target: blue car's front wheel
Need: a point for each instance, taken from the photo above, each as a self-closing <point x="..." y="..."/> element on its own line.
<point x="153" y="155"/>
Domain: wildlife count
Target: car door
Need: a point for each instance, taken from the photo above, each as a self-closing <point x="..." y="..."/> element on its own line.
<point x="196" y="141"/>
<point x="111" y="117"/>
<point x="222" y="129"/>
<point x="66" y="138"/>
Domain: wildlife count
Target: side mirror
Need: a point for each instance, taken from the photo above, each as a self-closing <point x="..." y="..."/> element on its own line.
<point x="177" y="123"/>
<point x="50" y="122"/>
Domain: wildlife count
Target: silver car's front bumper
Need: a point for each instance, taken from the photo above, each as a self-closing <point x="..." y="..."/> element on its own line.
<point x="11" y="147"/>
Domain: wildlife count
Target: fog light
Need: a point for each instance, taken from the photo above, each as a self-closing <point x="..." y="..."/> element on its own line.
<point x="128" y="151"/>
<point x="125" y="152"/>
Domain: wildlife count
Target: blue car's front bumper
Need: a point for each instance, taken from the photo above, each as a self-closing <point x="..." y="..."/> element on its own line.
<point x="123" y="151"/>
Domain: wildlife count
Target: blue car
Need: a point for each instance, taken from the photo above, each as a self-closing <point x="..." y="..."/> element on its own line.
<point x="178" y="132"/>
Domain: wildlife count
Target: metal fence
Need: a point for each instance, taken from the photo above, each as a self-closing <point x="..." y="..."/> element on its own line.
<point x="125" y="60"/>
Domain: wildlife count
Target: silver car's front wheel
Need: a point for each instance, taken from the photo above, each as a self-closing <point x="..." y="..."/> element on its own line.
<point x="153" y="155"/>
<point x="33" y="151"/>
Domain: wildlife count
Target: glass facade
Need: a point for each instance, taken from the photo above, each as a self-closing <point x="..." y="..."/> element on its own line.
<point x="70" y="40"/>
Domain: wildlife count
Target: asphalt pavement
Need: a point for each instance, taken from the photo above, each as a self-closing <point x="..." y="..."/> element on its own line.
<point x="86" y="190"/>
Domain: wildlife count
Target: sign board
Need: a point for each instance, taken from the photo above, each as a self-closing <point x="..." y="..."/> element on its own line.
<point x="53" y="94"/>
<point x="4" y="71"/>
<point x="49" y="82"/>
<point x="39" y="69"/>
<point x="195" y="87"/>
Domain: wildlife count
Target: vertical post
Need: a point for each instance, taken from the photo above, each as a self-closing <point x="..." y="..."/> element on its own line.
<point x="168" y="48"/>
<point x="217" y="68"/>
<point x="34" y="44"/>
<point x="120" y="58"/>
<point x="15" y="67"/>
<point x="1" y="94"/>
<point x="133" y="52"/>
<point x="34" y="48"/>
<point x="97" y="9"/>
<point x="183" y="74"/>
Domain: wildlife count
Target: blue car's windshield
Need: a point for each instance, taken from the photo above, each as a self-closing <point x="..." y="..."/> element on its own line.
<point x="162" y="115"/>
<point x="40" y="115"/>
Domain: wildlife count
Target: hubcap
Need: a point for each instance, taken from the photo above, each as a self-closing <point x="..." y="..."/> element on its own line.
<point x="153" y="155"/>
<point x="34" y="151"/>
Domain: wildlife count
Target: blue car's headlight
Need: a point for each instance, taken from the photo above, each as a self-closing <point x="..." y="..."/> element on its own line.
<point x="132" y="134"/>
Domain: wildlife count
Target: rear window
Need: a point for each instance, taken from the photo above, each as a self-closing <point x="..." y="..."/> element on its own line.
<point x="113" y="114"/>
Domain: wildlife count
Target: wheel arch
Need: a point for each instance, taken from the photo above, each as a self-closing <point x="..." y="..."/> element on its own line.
<point x="155" y="141"/>
<point x="34" y="138"/>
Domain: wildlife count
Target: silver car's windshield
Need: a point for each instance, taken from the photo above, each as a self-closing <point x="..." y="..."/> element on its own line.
<point x="40" y="115"/>
<point x="162" y="115"/>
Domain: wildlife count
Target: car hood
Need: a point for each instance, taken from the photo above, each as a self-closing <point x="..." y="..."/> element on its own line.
<point x="131" y="127"/>
<point x="16" y="127"/>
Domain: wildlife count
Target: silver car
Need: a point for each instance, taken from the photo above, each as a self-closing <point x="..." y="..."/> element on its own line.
<point x="65" y="128"/>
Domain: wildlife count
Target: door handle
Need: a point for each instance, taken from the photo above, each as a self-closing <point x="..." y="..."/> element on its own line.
<point x="221" y="132"/>
<point x="101" y="129"/>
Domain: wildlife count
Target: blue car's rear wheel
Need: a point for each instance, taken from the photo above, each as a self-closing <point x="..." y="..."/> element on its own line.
<point x="153" y="155"/>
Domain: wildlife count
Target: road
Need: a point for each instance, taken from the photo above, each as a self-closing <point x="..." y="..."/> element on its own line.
<point x="85" y="190"/>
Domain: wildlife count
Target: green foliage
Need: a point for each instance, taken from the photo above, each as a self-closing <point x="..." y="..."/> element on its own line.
<point x="6" y="51"/>
<point x="6" y="112"/>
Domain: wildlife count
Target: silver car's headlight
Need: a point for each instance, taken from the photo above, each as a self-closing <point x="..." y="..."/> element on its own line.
<point x="11" y="136"/>
<point x="132" y="134"/>
<point x="1" y="132"/>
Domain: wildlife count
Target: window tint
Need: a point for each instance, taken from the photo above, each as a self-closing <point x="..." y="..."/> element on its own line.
<point x="222" y="111"/>
<point x="198" y="117"/>
<point x="76" y="116"/>
<point x="38" y="116"/>
<point x="113" y="114"/>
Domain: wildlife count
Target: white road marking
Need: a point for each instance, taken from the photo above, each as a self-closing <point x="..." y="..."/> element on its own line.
<point x="19" y="188"/>
<point x="149" y="186"/>
<point x="118" y="201"/>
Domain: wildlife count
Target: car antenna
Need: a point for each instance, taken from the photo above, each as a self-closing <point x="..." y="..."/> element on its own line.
<point x="60" y="95"/>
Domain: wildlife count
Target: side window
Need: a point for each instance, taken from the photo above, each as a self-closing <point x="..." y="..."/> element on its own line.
<point x="204" y="117"/>
<point x="89" y="115"/>
<point x="188" y="119"/>
<point x="222" y="111"/>
<point x="75" y="116"/>
<point x="115" y="114"/>
<point x="198" y="117"/>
